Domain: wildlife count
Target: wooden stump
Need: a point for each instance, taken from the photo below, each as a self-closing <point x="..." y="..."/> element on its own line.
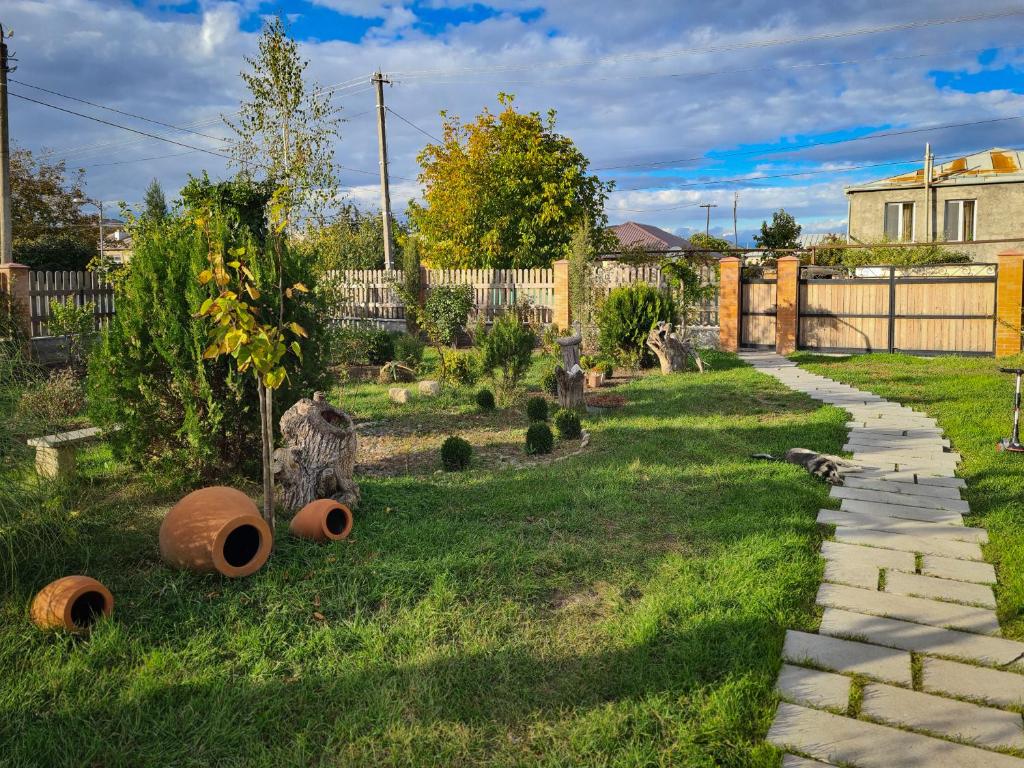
<point x="569" y="375"/>
<point x="318" y="457"/>
<point x="672" y="349"/>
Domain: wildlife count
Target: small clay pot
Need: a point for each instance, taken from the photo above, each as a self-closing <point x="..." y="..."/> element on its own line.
<point x="215" y="530"/>
<point x="322" y="520"/>
<point x="73" y="603"/>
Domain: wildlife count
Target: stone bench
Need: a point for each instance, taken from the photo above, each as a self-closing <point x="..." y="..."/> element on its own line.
<point x="55" y="454"/>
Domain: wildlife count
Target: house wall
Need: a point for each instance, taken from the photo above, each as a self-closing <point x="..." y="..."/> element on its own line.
<point x="1000" y="214"/>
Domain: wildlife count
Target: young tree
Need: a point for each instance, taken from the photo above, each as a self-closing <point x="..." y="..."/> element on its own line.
<point x="354" y="239"/>
<point x="155" y="203"/>
<point x="285" y="130"/>
<point x="505" y="191"/>
<point x="782" y="233"/>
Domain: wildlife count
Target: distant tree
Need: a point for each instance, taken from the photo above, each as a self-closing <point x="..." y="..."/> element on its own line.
<point x="709" y="242"/>
<point x="505" y="191"/>
<point x="780" y="234"/>
<point x="48" y="227"/>
<point x="285" y="130"/>
<point x="155" y="202"/>
<point x="354" y="239"/>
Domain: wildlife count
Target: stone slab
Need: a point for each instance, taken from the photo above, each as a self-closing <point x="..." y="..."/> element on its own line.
<point x="913" y="479"/>
<point x="966" y="681"/>
<point x="853" y="658"/>
<point x="905" y="499"/>
<point x="888" y="486"/>
<point x="939" y="589"/>
<point x="813" y="687"/>
<point x="793" y="761"/>
<point x="846" y="741"/>
<point x="983" y="726"/>
<point x="961" y="550"/>
<point x="916" y="609"/>
<point x="921" y="638"/>
<point x="879" y="558"/>
<point x="961" y="570"/>
<point x="875" y="522"/>
<point x="902" y="511"/>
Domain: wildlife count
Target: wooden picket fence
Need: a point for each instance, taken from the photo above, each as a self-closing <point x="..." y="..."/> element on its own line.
<point x="83" y="287"/>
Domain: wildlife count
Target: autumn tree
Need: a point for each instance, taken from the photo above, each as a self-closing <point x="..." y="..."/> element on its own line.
<point x="352" y="239"/>
<point x="286" y="129"/>
<point x="505" y="191"/>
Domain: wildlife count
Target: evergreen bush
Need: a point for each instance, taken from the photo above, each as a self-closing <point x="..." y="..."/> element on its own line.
<point x="539" y="438"/>
<point x="507" y="347"/>
<point x="459" y="368"/>
<point x="549" y="382"/>
<point x="485" y="399"/>
<point x="626" y="317"/>
<point x="380" y="347"/>
<point x="537" y="409"/>
<point x="408" y="349"/>
<point x="456" y="454"/>
<point x="447" y="308"/>
<point x="567" y="424"/>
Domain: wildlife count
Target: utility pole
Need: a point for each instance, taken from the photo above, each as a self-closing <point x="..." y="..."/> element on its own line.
<point x="707" y="228"/>
<point x="735" y="229"/>
<point x="382" y="146"/>
<point x="928" y="159"/>
<point x="6" y="233"/>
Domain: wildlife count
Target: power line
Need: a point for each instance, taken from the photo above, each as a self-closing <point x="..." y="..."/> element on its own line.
<point x="116" y="125"/>
<point x="752" y="44"/>
<point x="410" y="122"/>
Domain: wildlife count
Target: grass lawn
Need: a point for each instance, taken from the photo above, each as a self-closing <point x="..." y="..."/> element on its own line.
<point x="973" y="403"/>
<point x="625" y="607"/>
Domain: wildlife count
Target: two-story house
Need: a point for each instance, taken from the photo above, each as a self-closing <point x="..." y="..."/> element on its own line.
<point x="975" y="198"/>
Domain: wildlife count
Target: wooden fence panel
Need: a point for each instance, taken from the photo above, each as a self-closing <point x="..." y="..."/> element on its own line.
<point x="758" y="301"/>
<point x="82" y="287"/>
<point x="844" y="315"/>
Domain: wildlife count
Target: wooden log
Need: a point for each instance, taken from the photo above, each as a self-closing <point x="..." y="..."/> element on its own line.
<point x="673" y="350"/>
<point x="569" y="375"/>
<point x="318" y="455"/>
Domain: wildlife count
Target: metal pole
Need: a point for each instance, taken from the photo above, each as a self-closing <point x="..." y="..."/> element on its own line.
<point x="6" y="231"/>
<point x="103" y="255"/>
<point x="382" y="145"/>
<point x="735" y="229"/>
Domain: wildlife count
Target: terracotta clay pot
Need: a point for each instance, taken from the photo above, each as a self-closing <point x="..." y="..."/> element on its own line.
<point x="216" y="529"/>
<point x="73" y="603"/>
<point x="322" y="520"/>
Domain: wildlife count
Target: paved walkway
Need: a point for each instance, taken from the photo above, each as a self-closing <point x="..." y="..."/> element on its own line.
<point x="909" y="668"/>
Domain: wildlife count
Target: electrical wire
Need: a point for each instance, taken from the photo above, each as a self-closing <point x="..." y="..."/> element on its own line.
<point x="410" y="122"/>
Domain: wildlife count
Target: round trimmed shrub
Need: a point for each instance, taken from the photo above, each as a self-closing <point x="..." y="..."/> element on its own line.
<point x="539" y="438"/>
<point x="567" y="424"/>
<point x="537" y="409"/>
<point x="455" y="454"/>
<point x="549" y="382"/>
<point x="485" y="399"/>
<point x="380" y="347"/>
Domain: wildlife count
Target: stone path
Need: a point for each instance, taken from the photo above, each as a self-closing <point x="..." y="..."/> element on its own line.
<point x="908" y="667"/>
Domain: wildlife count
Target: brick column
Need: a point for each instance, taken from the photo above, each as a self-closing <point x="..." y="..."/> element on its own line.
<point x="562" y="316"/>
<point x="1009" y="293"/>
<point x="787" y="304"/>
<point x="729" y="286"/>
<point x="14" y="282"/>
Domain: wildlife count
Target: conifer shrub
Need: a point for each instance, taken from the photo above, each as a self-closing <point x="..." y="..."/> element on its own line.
<point x="537" y="409"/>
<point x="567" y="424"/>
<point x="485" y="399"/>
<point x="549" y="382"/>
<point x="456" y="454"/>
<point x="539" y="438"/>
<point x="505" y="352"/>
<point x="626" y="317"/>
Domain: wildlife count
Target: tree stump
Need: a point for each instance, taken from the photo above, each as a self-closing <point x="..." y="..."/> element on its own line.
<point x="672" y="349"/>
<point x="569" y="375"/>
<point x="318" y="457"/>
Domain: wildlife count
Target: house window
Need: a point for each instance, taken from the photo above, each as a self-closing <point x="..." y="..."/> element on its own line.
<point x="961" y="220"/>
<point x="899" y="221"/>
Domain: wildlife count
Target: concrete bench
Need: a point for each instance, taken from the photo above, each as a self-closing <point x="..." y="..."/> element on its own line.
<point x="55" y="454"/>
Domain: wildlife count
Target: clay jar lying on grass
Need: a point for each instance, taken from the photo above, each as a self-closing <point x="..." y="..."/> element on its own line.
<point x="73" y="603"/>
<point x="322" y="520"/>
<point x="215" y="530"/>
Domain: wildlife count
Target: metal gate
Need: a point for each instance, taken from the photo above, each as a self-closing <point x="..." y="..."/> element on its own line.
<point x="918" y="310"/>
<point x="757" y="313"/>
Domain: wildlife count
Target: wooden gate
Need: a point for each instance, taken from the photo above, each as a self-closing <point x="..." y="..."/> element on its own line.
<point x="928" y="310"/>
<point x="757" y="313"/>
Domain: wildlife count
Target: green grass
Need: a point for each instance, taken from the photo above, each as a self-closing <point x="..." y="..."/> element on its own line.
<point x="973" y="403"/>
<point x="621" y="608"/>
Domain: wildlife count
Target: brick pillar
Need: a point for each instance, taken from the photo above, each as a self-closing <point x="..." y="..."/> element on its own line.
<point x="787" y="304"/>
<point x="562" y="316"/>
<point x="1009" y="293"/>
<point x="14" y="282"/>
<point x="729" y="286"/>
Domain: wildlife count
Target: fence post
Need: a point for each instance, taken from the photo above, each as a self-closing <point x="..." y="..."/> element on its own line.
<point x="14" y="280"/>
<point x="787" y="304"/>
<point x="562" y="314"/>
<point x="729" y="287"/>
<point x="1009" y="293"/>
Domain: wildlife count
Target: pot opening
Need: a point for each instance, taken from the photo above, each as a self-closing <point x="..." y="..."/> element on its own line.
<point x="336" y="520"/>
<point x="241" y="545"/>
<point x="87" y="609"/>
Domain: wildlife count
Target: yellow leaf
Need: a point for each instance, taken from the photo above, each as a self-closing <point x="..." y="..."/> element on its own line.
<point x="297" y="349"/>
<point x="211" y="352"/>
<point x="206" y="306"/>
<point x="298" y="330"/>
<point x="205" y="276"/>
<point x="252" y="291"/>
<point x="300" y="288"/>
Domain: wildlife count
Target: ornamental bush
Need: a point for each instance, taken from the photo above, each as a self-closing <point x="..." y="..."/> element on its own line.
<point x="537" y="409"/>
<point x="380" y="347"/>
<point x="507" y="347"/>
<point x="407" y="349"/>
<point x="549" y="382"/>
<point x="567" y="424"/>
<point x="459" y="368"/>
<point x="485" y="399"/>
<point x="456" y="454"/>
<point x="539" y="438"/>
<point x="447" y="308"/>
<point x="627" y="315"/>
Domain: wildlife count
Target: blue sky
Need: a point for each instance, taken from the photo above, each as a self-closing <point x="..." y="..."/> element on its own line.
<point x="678" y="102"/>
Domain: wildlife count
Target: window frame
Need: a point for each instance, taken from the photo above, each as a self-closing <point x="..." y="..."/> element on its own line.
<point x="899" y="220"/>
<point x="959" y="203"/>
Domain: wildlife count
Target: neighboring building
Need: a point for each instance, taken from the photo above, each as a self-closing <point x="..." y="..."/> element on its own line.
<point x="117" y="242"/>
<point x="977" y="197"/>
<point x="634" y="235"/>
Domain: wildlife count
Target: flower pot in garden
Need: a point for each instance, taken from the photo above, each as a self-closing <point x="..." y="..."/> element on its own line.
<point x="73" y="603"/>
<point x="595" y="379"/>
<point x="215" y="530"/>
<point x="322" y="520"/>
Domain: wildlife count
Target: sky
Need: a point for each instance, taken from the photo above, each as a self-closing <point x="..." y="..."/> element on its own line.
<point x="678" y="103"/>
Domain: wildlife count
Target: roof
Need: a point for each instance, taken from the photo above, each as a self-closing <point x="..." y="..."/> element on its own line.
<point x="993" y="166"/>
<point x="815" y="238"/>
<point x="631" y="235"/>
